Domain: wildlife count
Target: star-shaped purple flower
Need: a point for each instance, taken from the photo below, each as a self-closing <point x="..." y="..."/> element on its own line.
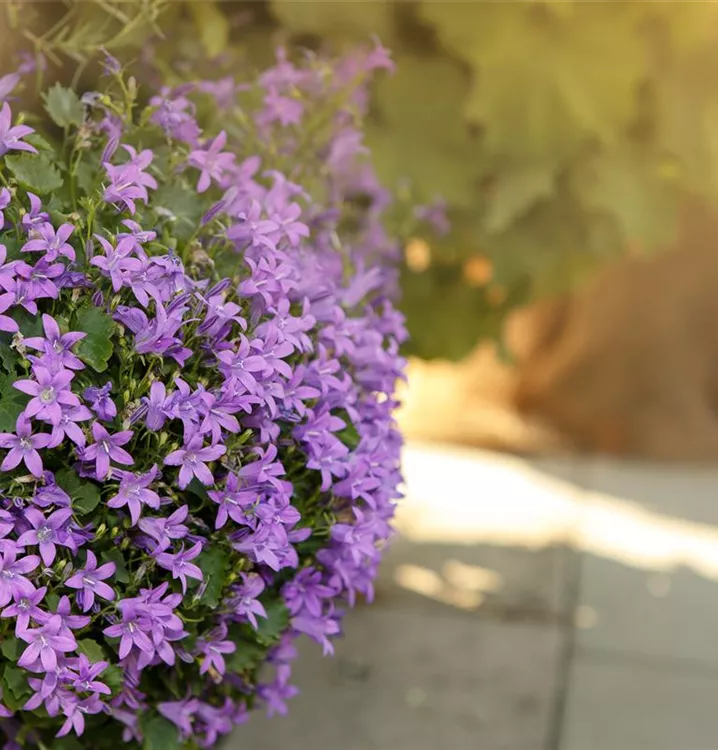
<point x="47" y="532"/>
<point x="57" y="344"/>
<point x="23" y="446"/>
<point x="11" y="137"/>
<point x="90" y="581"/>
<point x="193" y="459"/>
<point x="106" y="448"/>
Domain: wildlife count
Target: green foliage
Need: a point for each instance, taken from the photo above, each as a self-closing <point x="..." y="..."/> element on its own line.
<point x="115" y="556"/>
<point x="37" y="174"/>
<point x="355" y="20"/>
<point x="272" y="626"/>
<point x="158" y="733"/>
<point x="214" y="564"/>
<point x="561" y="134"/>
<point x="92" y="650"/>
<point x="12" y="402"/>
<point x="10" y="648"/>
<point x="64" y="106"/>
<point x="212" y="25"/>
<point x="247" y="656"/>
<point x="85" y="496"/>
<point x="96" y="348"/>
<point x="15" y="687"/>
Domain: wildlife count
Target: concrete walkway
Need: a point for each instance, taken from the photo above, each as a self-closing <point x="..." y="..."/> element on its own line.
<point x="527" y="605"/>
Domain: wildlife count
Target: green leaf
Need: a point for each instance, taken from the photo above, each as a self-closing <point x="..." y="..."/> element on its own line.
<point x="516" y="191"/>
<point x="8" y="357"/>
<point x="349" y="435"/>
<point x="247" y="656"/>
<point x="428" y="144"/>
<point x="10" y="648"/>
<point x="331" y="20"/>
<point x="96" y="348"/>
<point x="212" y="25"/>
<point x="214" y="564"/>
<point x="16" y="687"/>
<point x="631" y="189"/>
<point x="12" y="402"/>
<point x="35" y="173"/>
<point x="40" y="143"/>
<point x="158" y="733"/>
<point x="543" y="83"/>
<point x="181" y="204"/>
<point x="276" y="622"/>
<point x="114" y="678"/>
<point x="93" y="651"/>
<point x="115" y="556"/>
<point x="67" y="743"/>
<point x="64" y="106"/>
<point x="85" y="496"/>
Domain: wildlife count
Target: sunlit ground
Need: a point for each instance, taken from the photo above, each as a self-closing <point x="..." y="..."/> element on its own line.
<point x="466" y="497"/>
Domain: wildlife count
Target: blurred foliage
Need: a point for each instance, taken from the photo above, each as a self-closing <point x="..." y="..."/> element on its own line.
<point x="562" y="134"/>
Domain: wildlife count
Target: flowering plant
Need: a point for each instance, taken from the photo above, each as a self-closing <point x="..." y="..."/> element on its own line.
<point x="198" y="354"/>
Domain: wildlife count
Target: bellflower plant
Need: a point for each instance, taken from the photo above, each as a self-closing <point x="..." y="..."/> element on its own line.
<point x="198" y="354"/>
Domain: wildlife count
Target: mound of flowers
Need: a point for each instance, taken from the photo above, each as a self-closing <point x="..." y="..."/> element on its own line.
<point x="198" y="355"/>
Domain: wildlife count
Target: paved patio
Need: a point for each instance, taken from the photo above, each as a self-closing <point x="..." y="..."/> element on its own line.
<point x="528" y="605"/>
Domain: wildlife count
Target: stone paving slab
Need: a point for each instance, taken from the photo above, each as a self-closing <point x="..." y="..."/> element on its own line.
<point x="639" y="704"/>
<point x="649" y="580"/>
<point x="505" y="583"/>
<point x="408" y="681"/>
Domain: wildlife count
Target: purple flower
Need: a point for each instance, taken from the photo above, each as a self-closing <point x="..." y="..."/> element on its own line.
<point x="107" y="448"/>
<point x="75" y="711"/>
<point x="47" y="532"/>
<point x="46" y="642"/>
<point x="110" y="65"/>
<point x="192" y="458"/>
<point x="50" y="393"/>
<point x="244" y="601"/>
<point x="252" y="229"/>
<point x="155" y="403"/>
<point x="35" y="217"/>
<point x="180" y="713"/>
<point x="7" y="300"/>
<point x="23" y="446"/>
<point x="130" y="631"/>
<point x="87" y="673"/>
<point x="68" y="426"/>
<point x="306" y="593"/>
<point x="12" y="574"/>
<point x="211" y="161"/>
<point x="52" y="243"/>
<point x="116" y="264"/>
<point x="24" y="607"/>
<point x="134" y="492"/>
<point x="163" y="530"/>
<point x="56" y="344"/>
<point x="5" y="199"/>
<point x="100" y="402"/>
<point x="129" y="182"/>
<point x="212" y="647"/>
<point x="179" y="564"/>
<point x="11" y="137"/>
<point x="7" y="84"/>
<point x="90" y="581"/>
<point x="69" y="621"/>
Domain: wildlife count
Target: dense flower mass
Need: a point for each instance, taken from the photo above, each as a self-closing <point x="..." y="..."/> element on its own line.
<point x="198" y="358"/>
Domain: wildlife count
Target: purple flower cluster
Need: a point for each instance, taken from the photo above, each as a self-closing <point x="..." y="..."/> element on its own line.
<point x="221" y="477"/>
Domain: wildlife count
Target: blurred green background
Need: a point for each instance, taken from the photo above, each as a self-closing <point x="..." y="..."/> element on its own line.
<point x="561" y="135"/>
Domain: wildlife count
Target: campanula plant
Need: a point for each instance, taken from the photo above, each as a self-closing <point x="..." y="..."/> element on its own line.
<point x="198" y="354"/>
